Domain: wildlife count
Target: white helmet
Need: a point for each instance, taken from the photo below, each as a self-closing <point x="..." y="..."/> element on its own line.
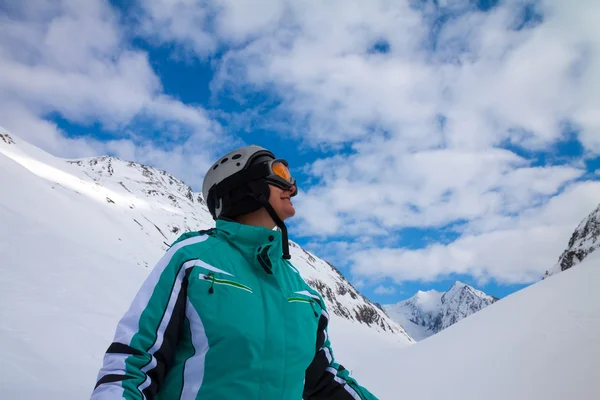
<point x="238" y="183"/>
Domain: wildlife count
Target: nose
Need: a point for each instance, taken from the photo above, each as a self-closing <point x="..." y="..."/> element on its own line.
<point x="293" y="190"/>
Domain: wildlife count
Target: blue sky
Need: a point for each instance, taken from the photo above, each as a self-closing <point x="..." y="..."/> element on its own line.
<point x="432" y="140"/>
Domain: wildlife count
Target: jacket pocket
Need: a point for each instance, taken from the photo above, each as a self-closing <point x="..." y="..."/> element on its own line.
<point x="211" y="279"/>
<point x="301" y="322"/>
<point x="313" y="304"/>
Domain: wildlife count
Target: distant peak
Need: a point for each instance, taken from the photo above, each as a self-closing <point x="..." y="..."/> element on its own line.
<point x="459" y="285"/>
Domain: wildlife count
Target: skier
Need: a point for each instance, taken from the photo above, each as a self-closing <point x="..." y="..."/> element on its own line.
<point x="224" y="314"/>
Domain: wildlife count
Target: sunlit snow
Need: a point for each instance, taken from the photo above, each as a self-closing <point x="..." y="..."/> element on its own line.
<point x="77" y="239"/>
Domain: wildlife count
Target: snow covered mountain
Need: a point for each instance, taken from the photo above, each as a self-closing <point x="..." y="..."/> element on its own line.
<point x="78" y="237"/>
<point x="156" y="207"/>
<point x="585" y="240"/>
<point x="72" y="258"/>
<point x="427" y="313"/>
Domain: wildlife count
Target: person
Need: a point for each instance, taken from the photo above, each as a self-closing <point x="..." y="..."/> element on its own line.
<point x="224" y="314"/>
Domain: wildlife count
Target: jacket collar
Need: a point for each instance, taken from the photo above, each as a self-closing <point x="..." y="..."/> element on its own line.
<point x="250" y="239"/>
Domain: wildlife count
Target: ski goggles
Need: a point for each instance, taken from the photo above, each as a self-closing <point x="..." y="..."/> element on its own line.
<point x="280" y="175"/>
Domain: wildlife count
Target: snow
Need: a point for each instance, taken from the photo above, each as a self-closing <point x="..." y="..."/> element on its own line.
<point x="461" y="301"/>
<point x="71" y="261"/>
<point x="58" y="294"/>
<point x="542" y="342"/>
<point x="427" y="313"/>
<point x="416" y="331"/>
<point x="417" y="315"/>
<point x="584" y="240"/>
<point x="428" y="301"/>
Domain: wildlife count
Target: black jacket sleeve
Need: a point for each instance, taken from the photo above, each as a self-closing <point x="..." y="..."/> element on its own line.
<point x="325" y="378"/>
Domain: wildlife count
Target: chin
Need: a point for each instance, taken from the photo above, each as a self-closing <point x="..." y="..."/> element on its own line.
<point x="288" y="213"/>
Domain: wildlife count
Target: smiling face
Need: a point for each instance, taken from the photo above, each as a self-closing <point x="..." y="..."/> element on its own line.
<point x="281" y="202"/>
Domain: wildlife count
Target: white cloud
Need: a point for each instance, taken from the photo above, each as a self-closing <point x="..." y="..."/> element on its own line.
<point x="577" y="25"/>
<point x="240" y="19"/>
<point x="404" y="165"/>
<point x="516" y="250"/>
<point x="180" y="21"/>
<point x="378" y="190"/>
<point x="383" y="290"/>
<point x="421" y="131"/>
<point x="45" y="134"/>
<point x="332" y="89"/>
<point x="73" y="59"/>
<point x="204" y="27"/>
<point x="359" y="284"/>
<point x="485" y="77"/>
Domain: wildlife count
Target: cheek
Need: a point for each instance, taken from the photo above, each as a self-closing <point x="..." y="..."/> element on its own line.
<point x="275" y="200"/>
<point x="274" y="193"/>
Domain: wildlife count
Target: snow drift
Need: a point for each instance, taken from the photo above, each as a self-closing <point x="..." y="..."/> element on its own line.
<point x="542" y="342"/>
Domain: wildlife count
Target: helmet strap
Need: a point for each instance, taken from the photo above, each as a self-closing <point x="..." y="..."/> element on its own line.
<point x="261" y="194"/>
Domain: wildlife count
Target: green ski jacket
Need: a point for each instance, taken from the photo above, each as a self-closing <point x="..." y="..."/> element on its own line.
<point x="223" y="316"/>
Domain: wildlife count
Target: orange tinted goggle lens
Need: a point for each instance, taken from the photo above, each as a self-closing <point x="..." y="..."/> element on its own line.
<point x="282" y="171"/>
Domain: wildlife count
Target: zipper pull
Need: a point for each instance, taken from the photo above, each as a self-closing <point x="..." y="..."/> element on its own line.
<point x="211" y="289"/>
<point x="312" y="304"/>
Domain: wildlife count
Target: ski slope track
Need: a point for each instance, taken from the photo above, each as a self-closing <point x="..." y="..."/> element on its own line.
<point x="78" y="237"/>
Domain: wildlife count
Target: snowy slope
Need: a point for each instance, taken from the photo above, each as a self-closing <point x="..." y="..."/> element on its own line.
<point x="66" y="278"/>
<point x="144" y="204"/>
<point x="427" y="313"/>
<point x="77" y="238"/>
<point x="585" y="239"/>
<point x="542" y="342"/>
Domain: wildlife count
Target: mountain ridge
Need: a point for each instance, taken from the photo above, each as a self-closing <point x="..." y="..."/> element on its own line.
<point x="584" y="240"/>
<point x="151" y="202"/>
<point x="429" y="312"/>
<point x="67" y="279"/>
